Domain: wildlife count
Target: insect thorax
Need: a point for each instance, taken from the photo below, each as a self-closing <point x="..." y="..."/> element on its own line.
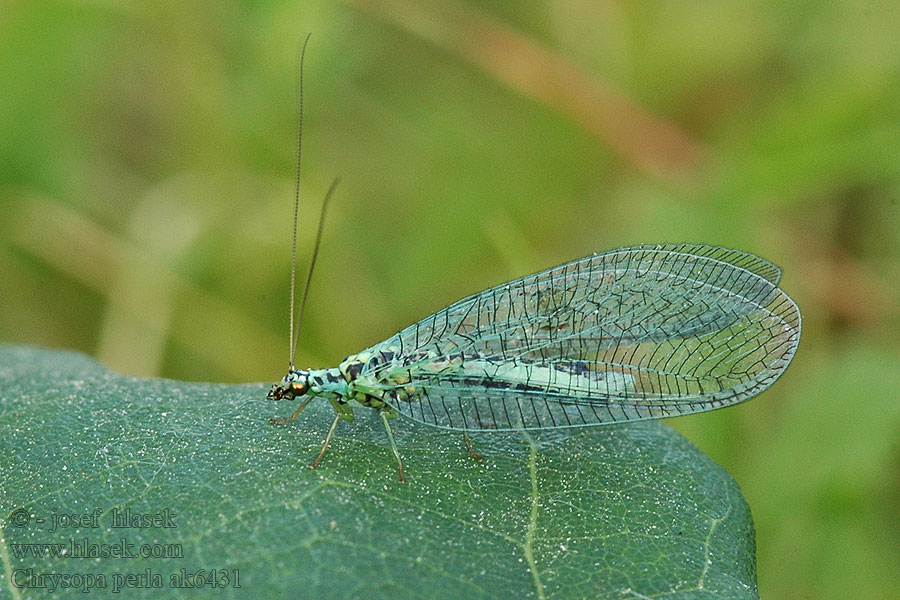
<point x="329" y="383"/>
<point x="359" y="388"/>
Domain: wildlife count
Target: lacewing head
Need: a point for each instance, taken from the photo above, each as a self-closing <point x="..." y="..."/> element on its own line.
<point x="292" y="386"/>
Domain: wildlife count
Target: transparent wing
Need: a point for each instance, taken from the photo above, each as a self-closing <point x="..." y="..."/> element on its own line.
<point x="636" y="333"/>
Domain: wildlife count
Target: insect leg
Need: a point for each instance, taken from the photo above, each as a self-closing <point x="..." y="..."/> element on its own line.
<point x="474" y="454"/>
<point x="293" y="416"/>
<point x="387" y="428"/>
<point x="315" y="463"/>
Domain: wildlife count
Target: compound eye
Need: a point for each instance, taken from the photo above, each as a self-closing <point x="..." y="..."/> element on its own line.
<point x="299" y="387"/>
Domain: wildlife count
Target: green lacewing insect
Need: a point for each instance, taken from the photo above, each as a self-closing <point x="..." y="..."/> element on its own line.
<point x="644" y="332"/>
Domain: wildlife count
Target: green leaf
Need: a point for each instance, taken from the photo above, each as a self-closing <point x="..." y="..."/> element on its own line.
<point x="630" y="511"/>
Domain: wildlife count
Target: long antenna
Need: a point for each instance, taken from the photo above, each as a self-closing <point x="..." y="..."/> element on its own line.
<point x="295" y="330"/>
<point x="312" y="265"/>
<point x="292" y="340"/>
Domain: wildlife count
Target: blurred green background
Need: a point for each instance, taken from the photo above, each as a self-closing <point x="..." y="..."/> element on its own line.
<point x="147" y="166"/>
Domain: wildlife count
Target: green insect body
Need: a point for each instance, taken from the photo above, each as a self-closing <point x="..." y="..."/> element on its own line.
<point x="636" y="333"/>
